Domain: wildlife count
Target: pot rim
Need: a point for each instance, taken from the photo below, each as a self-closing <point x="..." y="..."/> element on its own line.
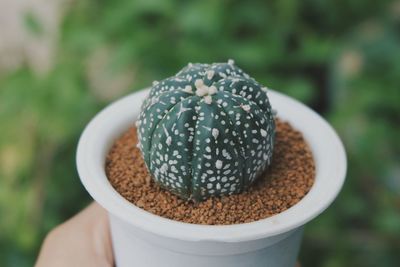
<point x="327" y="148"/>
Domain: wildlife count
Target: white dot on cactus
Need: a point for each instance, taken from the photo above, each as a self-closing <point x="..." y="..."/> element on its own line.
<point x="218" y="164"/>
<point x="164" y="168"/>
<point x="137" y="123"/>
<point x="263" y="133"/>
<point x="212" y="90"/>
<point x="228" y="171"/>
<point x="155" y="83"/>
<point x="246" y="108"/>
<point x="218" y="186"/>
<point x="210" y="74"/>
<point x="208" y="99"/>
<point x="188" y="89"/>
<point x="215" y="133"/>
<point x="169" y="140"/>
<point x="231" y="62"/>
<point x="264" y="89"/>
<point x="199" y="83"/>
<point x="201" y="91"/>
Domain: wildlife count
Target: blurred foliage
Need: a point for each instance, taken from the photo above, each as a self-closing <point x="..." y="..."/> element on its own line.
<point x="340" y="57"/>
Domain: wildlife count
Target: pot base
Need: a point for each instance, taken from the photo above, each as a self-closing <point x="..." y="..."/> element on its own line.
<point x="132" y="250"/>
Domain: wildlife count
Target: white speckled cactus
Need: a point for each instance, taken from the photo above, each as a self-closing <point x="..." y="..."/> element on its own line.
<point x="207" y="131"/>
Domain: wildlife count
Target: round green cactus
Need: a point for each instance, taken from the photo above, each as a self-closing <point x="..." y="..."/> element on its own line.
<point x="207" y="131"/>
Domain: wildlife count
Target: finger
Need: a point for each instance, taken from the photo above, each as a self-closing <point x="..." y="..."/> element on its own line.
<point x="83" y="240"/>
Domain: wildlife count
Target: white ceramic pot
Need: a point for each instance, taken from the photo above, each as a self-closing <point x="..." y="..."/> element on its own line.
<point x="145" y="240"/>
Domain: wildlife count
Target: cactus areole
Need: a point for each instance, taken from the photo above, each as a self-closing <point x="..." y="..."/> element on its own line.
<point x="207" y="131"/>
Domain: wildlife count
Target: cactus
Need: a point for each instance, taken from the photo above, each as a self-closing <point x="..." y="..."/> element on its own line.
<point x="207" y="131"/>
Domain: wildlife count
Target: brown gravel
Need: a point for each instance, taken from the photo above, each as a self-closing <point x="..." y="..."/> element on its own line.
<point x="287" y="181"/>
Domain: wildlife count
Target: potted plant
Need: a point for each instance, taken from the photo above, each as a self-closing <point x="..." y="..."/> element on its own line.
<point x="184" y="123"/>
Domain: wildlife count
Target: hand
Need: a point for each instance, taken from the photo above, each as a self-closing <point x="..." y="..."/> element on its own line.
<point x="83" y="240"/>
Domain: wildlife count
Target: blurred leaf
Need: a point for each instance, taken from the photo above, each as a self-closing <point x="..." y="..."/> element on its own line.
<point x="33" y="24"/>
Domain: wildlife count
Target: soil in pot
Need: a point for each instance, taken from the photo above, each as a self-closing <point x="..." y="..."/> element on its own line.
<point x="288" y="179"/>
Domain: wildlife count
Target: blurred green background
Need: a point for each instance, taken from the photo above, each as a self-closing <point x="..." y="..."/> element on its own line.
<point x="69" y="59"/>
